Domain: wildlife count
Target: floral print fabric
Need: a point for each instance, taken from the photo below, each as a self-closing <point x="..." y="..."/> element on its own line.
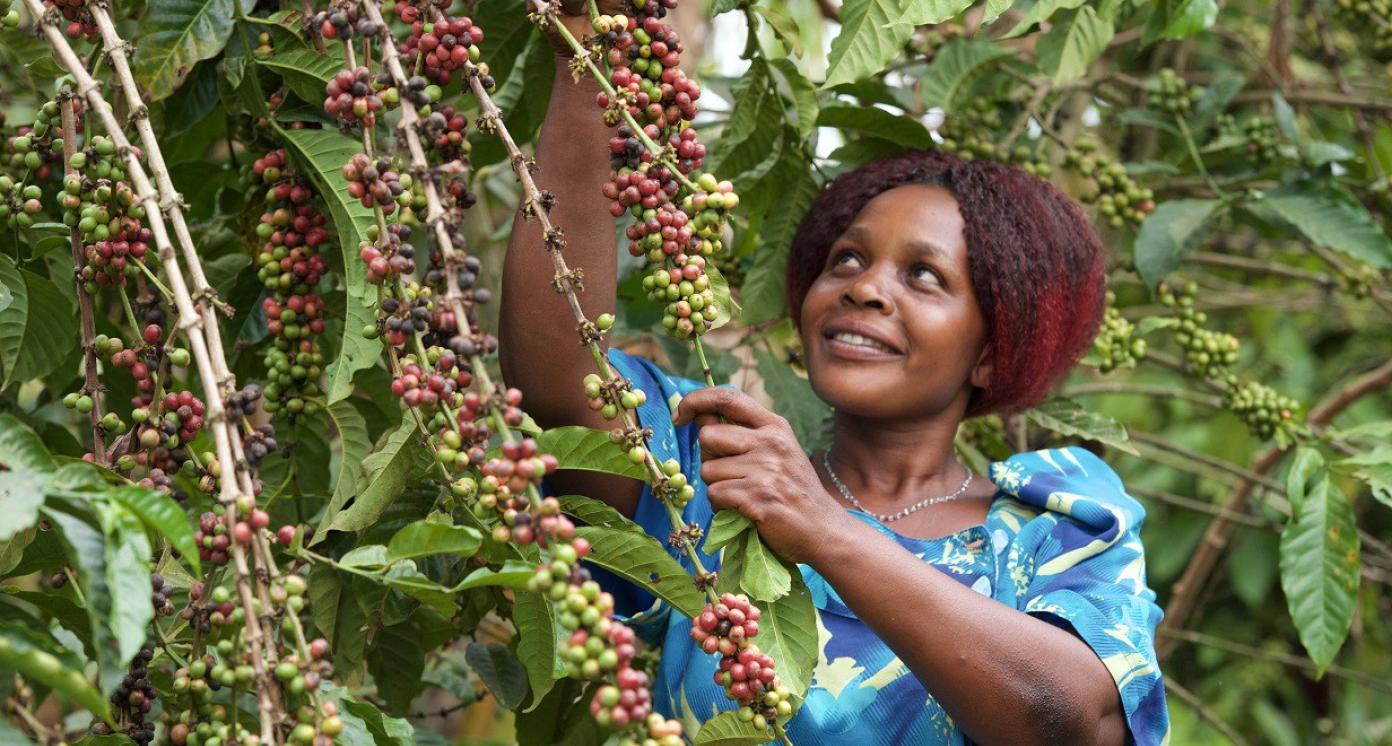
<point x="1061" y="542"/>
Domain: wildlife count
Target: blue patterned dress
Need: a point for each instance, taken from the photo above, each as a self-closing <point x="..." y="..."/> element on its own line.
<point x="1061" y="541"/>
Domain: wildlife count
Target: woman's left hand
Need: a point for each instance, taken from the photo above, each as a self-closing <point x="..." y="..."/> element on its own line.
<point x="753" y="463"/>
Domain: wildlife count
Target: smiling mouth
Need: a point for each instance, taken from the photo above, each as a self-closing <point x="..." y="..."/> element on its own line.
<point x="859" y="345"/>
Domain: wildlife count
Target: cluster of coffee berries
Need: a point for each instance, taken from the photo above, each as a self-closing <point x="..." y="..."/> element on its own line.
<point x="644" y="55"/>
<point x="132" y="700"/>
<point x="1171" y="93"/>
<point x="81" y="24"/>
<point x="344" y="23"/>
<point x="1117" y="344"/>
<point x="1262" y="408"/>
<point x="350" y="97"/>
<point x="291" y="266"/>
<point x="505" y="484"/>
<point x="610" y="398"/>
<point x="426" y="390"/>
<point x="19" y="203"/>
<point x="1118" y="198"/>
<point x="200" y="721"/>
<point x="161" y="595"/>
<point x="1370" y="19"/>
<point x="441" y="47"/>
<point x="212" y="540"/>
<point x="1262" y="139"/>
<point x="113" y="261"/>
<point x="258" y="443"/>
<point x="691" y="305"/>
<point x="388" y="258"/>
<point x="1209" y="351"/>
<point x="971" y="133"/>
<point x="447" y="133"/>
<point x="96" y="200"/>
<point x="748" y="675"/>
<point x="375" y="183"/>
<point x="401" y="320"/>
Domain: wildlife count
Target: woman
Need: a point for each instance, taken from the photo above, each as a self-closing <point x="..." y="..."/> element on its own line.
<point x="951" y="607"/>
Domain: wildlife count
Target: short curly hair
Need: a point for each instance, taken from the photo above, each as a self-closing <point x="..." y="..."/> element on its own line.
<point x="1037" y="265"/>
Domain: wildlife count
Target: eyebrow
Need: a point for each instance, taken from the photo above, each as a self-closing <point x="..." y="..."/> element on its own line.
<point x="856" y="233"/>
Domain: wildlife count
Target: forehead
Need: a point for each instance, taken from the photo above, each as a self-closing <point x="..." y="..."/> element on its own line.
<point x="914" y="216"/>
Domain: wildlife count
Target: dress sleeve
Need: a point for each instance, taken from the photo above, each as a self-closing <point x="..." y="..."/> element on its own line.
<point x="1089" y="577"/>
<point x="663" y="391"/>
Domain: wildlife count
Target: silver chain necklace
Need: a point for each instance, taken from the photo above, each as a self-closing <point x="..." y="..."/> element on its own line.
<point x="886" y="518"/>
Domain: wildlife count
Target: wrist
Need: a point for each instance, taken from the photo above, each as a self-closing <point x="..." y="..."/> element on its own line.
<point x="839" y="536"/>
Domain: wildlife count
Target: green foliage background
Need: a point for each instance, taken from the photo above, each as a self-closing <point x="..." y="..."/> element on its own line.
<point x="1271" y="196"/>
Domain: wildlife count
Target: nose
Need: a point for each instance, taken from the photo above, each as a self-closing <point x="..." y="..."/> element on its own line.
<point x="867" y="291"/>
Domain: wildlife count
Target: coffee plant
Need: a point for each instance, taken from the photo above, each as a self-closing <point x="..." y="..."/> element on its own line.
<point x="263" y="481"/>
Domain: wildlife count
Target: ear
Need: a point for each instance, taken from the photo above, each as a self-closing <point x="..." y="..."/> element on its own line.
<point x="985" y="366"/>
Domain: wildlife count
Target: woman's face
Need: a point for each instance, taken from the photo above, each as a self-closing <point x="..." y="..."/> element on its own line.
<point x="891" y="328"/>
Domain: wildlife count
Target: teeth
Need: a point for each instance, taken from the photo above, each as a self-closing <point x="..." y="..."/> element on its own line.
<point x="856" y="339"/>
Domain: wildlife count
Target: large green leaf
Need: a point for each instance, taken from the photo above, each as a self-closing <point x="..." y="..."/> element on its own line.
<point x="424" y="538"/>
<point x="354" y="445"/>
<point x="1176" y="19"/>
<point x="337" y="616"/>
<point x="955" y="66"/>
<point x="1374" y="468"/>
<point x="869" y="38"/>
<point x="1329" y="216"/>
<point x="588" y="449"/>
<point x="128" y="577"/>
<point x="1174" y="229"/>
<point x="596" y="513"/>
<point x="725" y="527"/>
<point x="38" y="330"/>
<point x="763" y="575"/>
<point x="726" y="729"/>
<point x="788" y="633"/>
<point x="765" y="286"/>
<point x="801" y="91"/>
<point x="500" y="670"/>
<point x="513" y="574"/>
<point x="396" y="662"/>
<point x="86" y="551"/>
<point x="162" y="515"/>
<point x="389" y="471"/>
<point x="21" y="492"/>
<point x="641" y="560"/>
<point x="21" y="449"/>
<point x="1320" y="569"/>
<point x="385" y="730"/>
<point x="1068" y="417"/>
<point x="176" y="34"/>
<point x="535" y="619"/>
<point x="795" y="401"/>
<point x="24" y="652"/>
<point x="326" y="151"/>
<point x="305" y="70"/>
<point x="748" y="146"/>
<point x="1073" y="44"/>
<point x="872" y="120"/>
<point x="1041" y="11"/>
<point x="931" y="12"/>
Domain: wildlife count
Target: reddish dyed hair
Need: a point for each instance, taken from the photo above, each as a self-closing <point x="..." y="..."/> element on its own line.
<point x="1037" y="266"/>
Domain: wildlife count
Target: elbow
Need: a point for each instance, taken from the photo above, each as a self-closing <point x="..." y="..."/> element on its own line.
<point x="1057" y="717"/>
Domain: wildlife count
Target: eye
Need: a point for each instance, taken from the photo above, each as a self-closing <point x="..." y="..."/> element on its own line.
<point x="927" y="273"/>
<point x="838" y="257"/>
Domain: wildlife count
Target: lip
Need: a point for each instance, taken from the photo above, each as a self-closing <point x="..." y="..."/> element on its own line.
<point x="868" y="331"/>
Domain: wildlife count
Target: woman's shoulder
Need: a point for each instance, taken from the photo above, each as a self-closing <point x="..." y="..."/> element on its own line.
<point x="1071" y="482"/>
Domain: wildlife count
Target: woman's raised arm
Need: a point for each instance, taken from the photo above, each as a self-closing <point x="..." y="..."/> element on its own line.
<point x="540" y="350"/>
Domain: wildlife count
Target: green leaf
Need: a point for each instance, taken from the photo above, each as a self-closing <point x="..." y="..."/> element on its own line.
<point x="1285" y="118"/>
<point x="500" y="671"/>
<point x="513" y="574"/>
<point x="788" y="633"/>
<point x="954" y="67"/>
<point x="176" y="34"/>
<point x="389" y="471"/>
<point x="385" y="730"/>
<point x="641" y="560"/>
<point x="86" y="551"/>
<point x="801" y="91"/>
<point x="763" y="575"/>
<point x="424" y="538"/>
<point x="535" y="619"/>
<point x="396" y="662"/>
<point x="368" y="555"/>
<point x="725" y="527"/>
<point x="1374" y="468"/>
<point x="726" y="307"/>
<point x="784" y="27"/>
<point x="765" y="290"/>
<point x="1327" y="215"/>
<point x="726" y="729"/>
<point x="1176" y="19"/>
<point x="21" y="492"/>
<point x="875" y="121"/>
<point x="354" y="445"/>
<point x="326" y="151"/>
<point x="405" y="577"/>
<point x="306" y="71"/>
<point x="38" y="330"/>
<point x="869" y="38"/>
<point x="1073" y="44"/>
<point x="931" y="12"/>
<point x="1174" y="229"/>
<point x="596" y="513"/>
<point x="162" y="515"/>
<point x="794" y="400"/>
<point x="338" y="617"/>
<point x="748" y="145"/>
<point x="1320" y="570"/>
<point x="128" y="577"/>
<point x="994" y="8"/>
<point x="1041" y="11"/>
<point x="1305" y="470"/>
<point x="22" y="652"/>
<point x="1068" y="417"/>
<point x="588" y="449"/>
